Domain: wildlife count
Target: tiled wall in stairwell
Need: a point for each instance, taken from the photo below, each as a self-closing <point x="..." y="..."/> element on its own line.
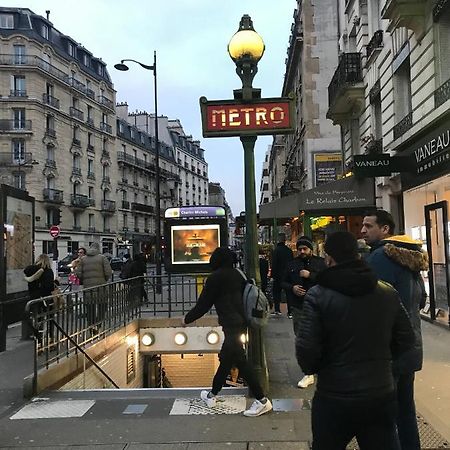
<point x="115" y="365"/>
<point x="190" y="370"/>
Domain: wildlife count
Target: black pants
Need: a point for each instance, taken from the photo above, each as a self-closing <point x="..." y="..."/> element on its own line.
<point x="232" y="354"/>
<point x="276" y="293"/>
<point x="336" y="422"/>
<point x="408" y="431"/>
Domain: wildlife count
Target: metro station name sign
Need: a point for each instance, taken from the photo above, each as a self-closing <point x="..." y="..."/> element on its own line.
<point x="223" y="118"/>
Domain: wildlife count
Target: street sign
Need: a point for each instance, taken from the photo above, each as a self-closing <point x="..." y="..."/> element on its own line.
<point x="54" y="231"/>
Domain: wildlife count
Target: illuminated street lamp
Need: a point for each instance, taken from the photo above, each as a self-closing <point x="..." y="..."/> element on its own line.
<point x="124" y="67"/>
<point x="246" y="48"/>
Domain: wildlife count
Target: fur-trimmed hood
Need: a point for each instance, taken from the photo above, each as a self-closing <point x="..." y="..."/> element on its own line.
<point x="406" y="252"/>
<point x="30" y="276"/>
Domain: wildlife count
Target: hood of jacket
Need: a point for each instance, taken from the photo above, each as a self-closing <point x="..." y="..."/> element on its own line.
<point x="352" y="278"/>
<point x="406" y="252"/>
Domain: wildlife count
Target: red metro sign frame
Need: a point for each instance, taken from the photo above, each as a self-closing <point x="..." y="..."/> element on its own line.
<point x="223" y="118"/>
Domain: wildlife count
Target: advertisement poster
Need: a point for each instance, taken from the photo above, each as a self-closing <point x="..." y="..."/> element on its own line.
<point x="194" y="244"/>
<point x="328" y="167"/>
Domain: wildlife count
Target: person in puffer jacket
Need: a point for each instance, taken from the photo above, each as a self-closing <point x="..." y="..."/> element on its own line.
<point x="398" y="260"/>
<point x="352" y="327"/>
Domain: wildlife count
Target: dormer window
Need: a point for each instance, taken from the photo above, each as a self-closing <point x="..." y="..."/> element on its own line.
<point x="71" y="49"/>
<point x="44" y="31"/>
<point x="86" y="60"/>
<point x="7" y="21"/>
<point x="100" y="70"/>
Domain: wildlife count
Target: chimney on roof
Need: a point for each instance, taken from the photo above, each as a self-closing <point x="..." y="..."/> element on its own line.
<point x="48" y="14"/>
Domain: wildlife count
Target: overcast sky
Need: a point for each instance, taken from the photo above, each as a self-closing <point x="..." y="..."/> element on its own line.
<point x="190" y="37"/>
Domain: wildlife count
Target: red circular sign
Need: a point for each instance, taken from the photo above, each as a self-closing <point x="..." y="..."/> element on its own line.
<point x="54" y="231"/>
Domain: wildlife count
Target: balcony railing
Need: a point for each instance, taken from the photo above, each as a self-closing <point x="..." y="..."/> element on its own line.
<point x="9" y="159"/>
<point x="106" y="127"/>
<point x="130" y="159"/>
<point x="50" y="100"/>
<point x="90" y="93"/>
<point x="375" y="43"/>
<point x="403" y="126"/>
<point x="77" y="84"/>
<point x="18" y="93"/>
<point x="50" y="132"/>
<point x="50" y="163"/>
<point x="349" y="71"/>
<point x="106" y="102"/>
<point x="91" y="229"/>
<point x="53" y="195"/>
<point x="442" y="94"/>
<point x="76" y="171"/>
<point x="106" y="179"/>
<point x="15" y="125"/>
<point x="90" y="121"/>
<point x="90" y="148"/>
<point x="125" y="204"/>
<point x="91" y="176"/>
<point x="79" y="201"/>
<point x="77" y="113"/>
<point x="142" y="207"/>
<point x="76" y="142"/>
<point x="108" y="205"/>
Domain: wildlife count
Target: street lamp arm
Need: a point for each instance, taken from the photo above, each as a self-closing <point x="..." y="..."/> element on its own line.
<point x="145" y="66"/>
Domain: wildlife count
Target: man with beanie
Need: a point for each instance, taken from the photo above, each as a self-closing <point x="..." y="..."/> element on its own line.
<point x="223" y="290"/>
<point x="281" y="256"/>
<point x="398" y="260"/>
<point x="352" y="327"/>
<point x="300" y="276"/>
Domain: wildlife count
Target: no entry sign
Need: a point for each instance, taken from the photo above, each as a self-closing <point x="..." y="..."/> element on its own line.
<point x="54" y="231"/>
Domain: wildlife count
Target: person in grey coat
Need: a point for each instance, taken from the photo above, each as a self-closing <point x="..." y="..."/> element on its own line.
<point x="94" y="270"/>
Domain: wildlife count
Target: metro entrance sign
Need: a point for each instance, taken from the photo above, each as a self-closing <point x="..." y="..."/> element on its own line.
<point x="54" y="231"/>
<point x="223" y="118"/>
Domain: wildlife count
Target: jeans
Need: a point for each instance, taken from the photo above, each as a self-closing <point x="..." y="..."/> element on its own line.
<point x="335" y="422"/>
<point x="408" y="432"/>
<point x="232" y="355"/>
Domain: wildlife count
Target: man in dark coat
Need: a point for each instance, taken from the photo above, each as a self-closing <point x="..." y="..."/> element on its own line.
<point x="223" y="290"/>
<point x="301" y="275"/>
<point x="398" y="260"/>
<point x="352" y="326"/>
<point x="281" y="256"/>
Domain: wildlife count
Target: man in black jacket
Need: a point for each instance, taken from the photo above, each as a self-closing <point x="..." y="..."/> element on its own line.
<point x="281" y="257"/>
<point x="223" y="289"/>
<point x="300" y="275"/>
<point x="352" y="326"/>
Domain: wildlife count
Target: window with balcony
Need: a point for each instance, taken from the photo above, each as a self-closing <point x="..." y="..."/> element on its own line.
<point x="45" y="31"/>
<point x="71" y="49"/>
<point x="19" y="118"/>
<point x="18" y="86"/>
<point x="19" y="54"/>
<point x="91" y="221"/>
<point x="18" y="149"/>
<point x="86" y="60"/>
<point x="50" y="125"/>
<point x="19" y="180"/>
<point x="51" y="155"/>
<point x="402" y="98"/>
<point x="442" y="50"/>
<point x="90" y="166"/>
<point x="7" y="21"/>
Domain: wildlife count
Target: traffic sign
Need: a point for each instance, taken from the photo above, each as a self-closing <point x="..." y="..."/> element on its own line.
<point x="54" y="231"/>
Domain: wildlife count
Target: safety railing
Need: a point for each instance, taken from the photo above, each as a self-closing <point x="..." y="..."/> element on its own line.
<point x="68" y="322"/>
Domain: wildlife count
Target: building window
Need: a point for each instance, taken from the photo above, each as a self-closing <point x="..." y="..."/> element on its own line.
<point x="71" y="49"/>
<point x="86" y="60"/>
<point x="18" y="86"/>
<point x="19" y="180"/>
<point x="18" y="148"/>
<point x="44" y="31"/>
<point x="91" y="221"/>
<point x="125" y="221"/>
<point x="90" y="166"/>
<point x="19" y="54"/>
<point x="443" y="47"/>
<point x="19" y="118"/>
<point x="72" y="247"/>
<point x="91" y="192"/>
<point x="47" y="247"/>
<point x="402" y="90"/>
<point x="7" y="21"/>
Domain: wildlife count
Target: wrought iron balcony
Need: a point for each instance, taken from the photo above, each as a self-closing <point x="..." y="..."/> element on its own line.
<point x="90" y="93"/>
<point x="375" y="43"/>
<point x="76" y="171"/>
<point x="76" y="142"/>
<point x="53" y="195"/>
<point x="50" y="163"/>
<point x="18" y="93"/>
<point x="90" y="148"/>
<point x="90" y="121"/>
<point x="125" y="204"/>
<point x="9" y="159"/>
<point x="50" y="100"/>
<point x="142" y="208"/>
<point x="106" y="179"/>
<point x="374" y="147"/>
<point x="442" y="94"/>
<point x="79" y="201"/>
<point x="106" y="102"/>
<point x="77" y="84"/>
<point x="403" y="126"/>
<point x="91" y="176"/>
<point x="108" y="206"/>
<point x="15" y="125"/>
<point x="346" y="90"/>
<point x="91" y="229"/>
<point x="106" y="127"/>
<point x="76" y="228"/>
<point x="77" y="113"/>
<point x="50" y="132"/>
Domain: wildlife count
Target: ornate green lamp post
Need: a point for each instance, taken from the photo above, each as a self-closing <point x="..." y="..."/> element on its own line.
<point x="246" y="48"/>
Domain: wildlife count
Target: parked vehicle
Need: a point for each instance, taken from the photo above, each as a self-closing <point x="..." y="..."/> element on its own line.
<point x="63" y="263"/>
<point x="116" y="263"/>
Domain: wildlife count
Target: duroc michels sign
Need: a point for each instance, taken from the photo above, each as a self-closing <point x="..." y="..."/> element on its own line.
<point x="221" y="118"/>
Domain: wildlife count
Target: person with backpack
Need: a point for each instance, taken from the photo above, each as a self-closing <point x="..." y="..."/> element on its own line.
<point x="224" y="290"/>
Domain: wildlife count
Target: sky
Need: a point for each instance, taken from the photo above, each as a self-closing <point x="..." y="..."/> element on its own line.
<point x="190" y="38"/>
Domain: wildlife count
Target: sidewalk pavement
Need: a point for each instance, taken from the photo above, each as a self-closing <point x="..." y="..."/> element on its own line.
<point x="142" y="419"/>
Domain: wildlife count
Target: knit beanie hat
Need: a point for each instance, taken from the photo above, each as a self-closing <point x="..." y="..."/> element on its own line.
<point x="341" y="246"/>
<point x="305" y="241"/>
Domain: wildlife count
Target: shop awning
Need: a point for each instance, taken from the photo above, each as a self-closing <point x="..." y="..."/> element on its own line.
<point x="340" y="197"/>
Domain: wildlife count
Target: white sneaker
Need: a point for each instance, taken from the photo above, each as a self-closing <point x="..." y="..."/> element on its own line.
<point x="258" y="408"/>
<point x="210" y="401"/>
<point x="306" y="381"/>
